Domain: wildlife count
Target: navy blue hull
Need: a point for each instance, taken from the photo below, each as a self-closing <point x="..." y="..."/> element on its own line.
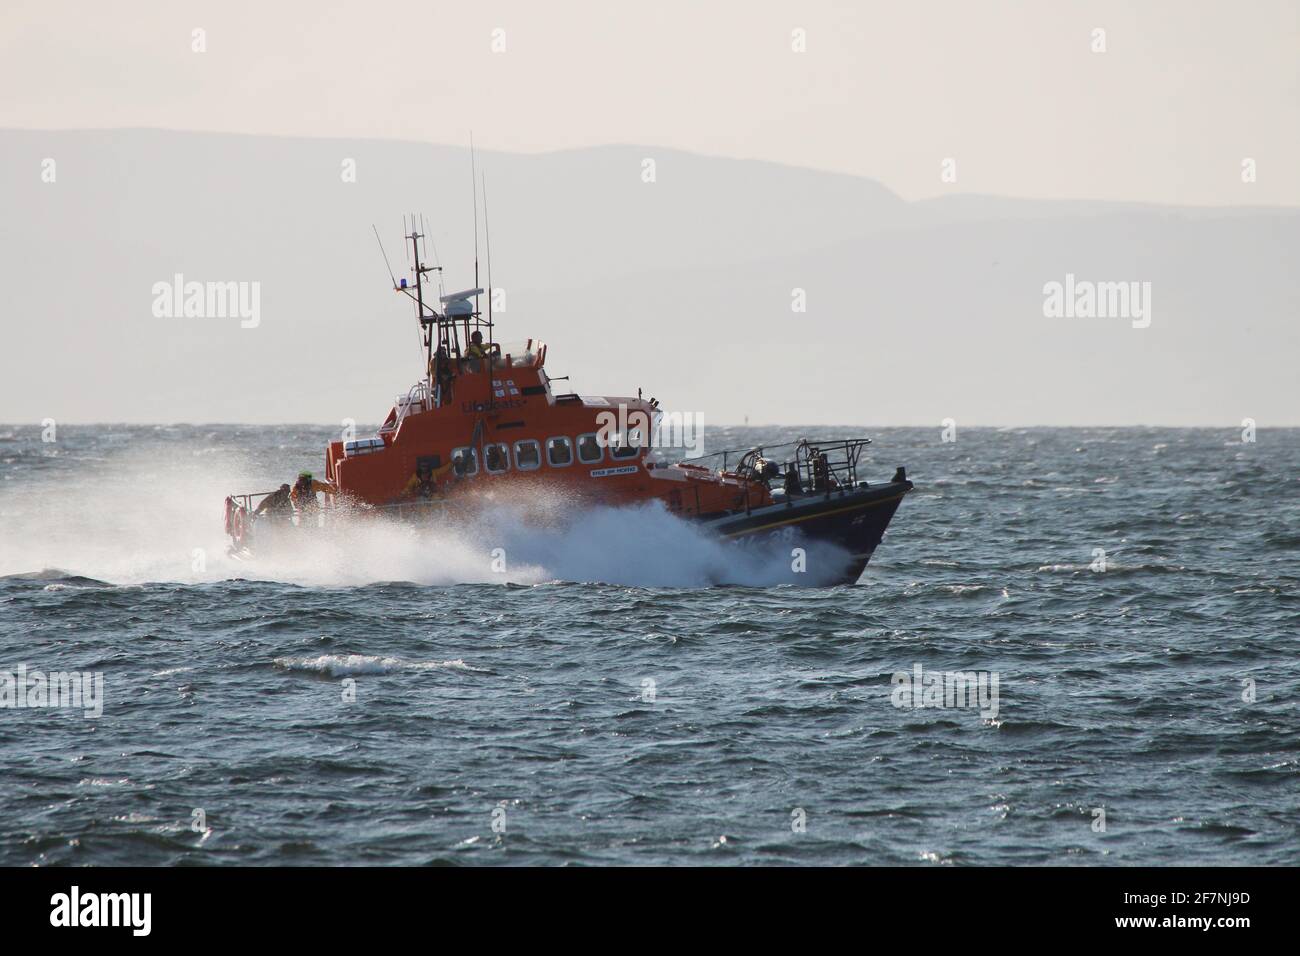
<point x="854" y="521"/>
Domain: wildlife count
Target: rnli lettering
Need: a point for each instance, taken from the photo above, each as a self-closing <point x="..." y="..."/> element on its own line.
<point x="493" y="406"/>
<point x="621" y="470"/>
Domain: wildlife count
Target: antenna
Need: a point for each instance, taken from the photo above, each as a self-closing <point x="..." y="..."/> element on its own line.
<point x="385" y="255"/>
<point x="473" y="182"/>
<point x="487" y="236"/>
<point x="437" y="259"/>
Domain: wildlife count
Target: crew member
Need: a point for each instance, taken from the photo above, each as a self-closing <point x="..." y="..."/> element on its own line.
<point x="278" y="504"/>
<point x="477" y="351"/>
<point x="424" y="483"/>
<point x="304" y="492"/>
<point x="440" y="371"/>
<point x="793" y="486"/>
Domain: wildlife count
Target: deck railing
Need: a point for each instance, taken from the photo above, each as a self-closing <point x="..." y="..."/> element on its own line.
<point x="840" y="463"/>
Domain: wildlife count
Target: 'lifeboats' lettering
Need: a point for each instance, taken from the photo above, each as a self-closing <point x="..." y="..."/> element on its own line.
<point x="493" y="405"/>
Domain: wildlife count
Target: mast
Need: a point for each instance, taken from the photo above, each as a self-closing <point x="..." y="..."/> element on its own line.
<point x="434" y="325"/>
<point x="419" y="310"/>
<point x="473" y="184"/>
<point x="430" y="320"/>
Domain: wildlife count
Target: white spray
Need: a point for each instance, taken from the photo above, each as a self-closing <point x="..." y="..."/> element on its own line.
<point x="138" y="518"/>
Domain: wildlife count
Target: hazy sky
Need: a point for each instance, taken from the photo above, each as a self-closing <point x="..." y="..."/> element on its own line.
<point x="1012" y="91"/>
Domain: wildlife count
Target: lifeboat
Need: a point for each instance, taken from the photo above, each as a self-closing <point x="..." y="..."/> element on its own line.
<point x="487" y="424"/>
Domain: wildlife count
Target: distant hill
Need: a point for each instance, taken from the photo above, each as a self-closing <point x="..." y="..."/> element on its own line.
<point x="915" y="311"/>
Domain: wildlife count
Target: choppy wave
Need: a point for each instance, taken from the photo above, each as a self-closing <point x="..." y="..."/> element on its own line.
<point x="343" y="665"/>
<point x="691" y="698"/>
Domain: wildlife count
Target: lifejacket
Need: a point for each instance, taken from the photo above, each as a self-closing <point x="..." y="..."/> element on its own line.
<point x="303" y="494"/>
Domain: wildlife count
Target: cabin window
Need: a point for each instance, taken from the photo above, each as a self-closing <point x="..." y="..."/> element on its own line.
<point x="528" y="454"/>
<point x="559" y="451"/>
<point x="626" y="446"/>
<point x="464" y="461"/>
<point x="497" y="458"/>
<point x="589" y="450"/>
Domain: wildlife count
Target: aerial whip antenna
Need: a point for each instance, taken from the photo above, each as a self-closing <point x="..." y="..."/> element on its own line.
<point x="487" y="236"/>
<point x="387" y="265"/>
<point x="437" y="259"/>
<point x="473" y="182"/>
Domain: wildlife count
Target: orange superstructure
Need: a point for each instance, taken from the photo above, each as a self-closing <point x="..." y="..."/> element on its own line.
<point x="492" y="414"/>
<point x="503" y="423"/>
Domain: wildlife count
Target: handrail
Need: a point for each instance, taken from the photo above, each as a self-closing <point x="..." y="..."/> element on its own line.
<point x="419" y="392"/>
<point x="820" y="466"/>
<point x="788" y="444"/>
<point x="399" y="506"/>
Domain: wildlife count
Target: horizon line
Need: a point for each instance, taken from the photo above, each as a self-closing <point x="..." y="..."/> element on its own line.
<point x="938" y="197"/>
<point x="939" y="425"/>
